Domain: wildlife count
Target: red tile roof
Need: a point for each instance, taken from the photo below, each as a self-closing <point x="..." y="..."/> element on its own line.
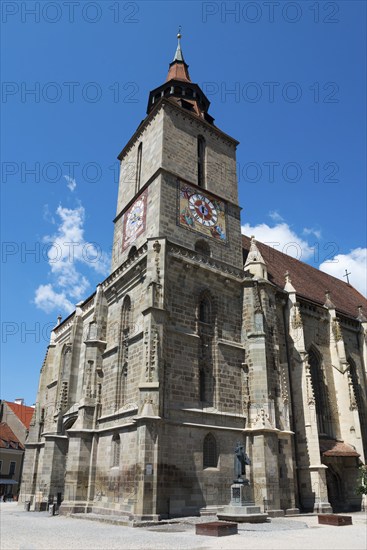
<point x="8" y="439"/>
<point x="178" y="71"/>
<point x="330" y="447"/>
<point x="309" y="282"/>
<point x="23" y="412"/>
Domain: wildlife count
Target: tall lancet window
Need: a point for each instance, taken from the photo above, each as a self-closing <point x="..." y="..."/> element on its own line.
<point x="210" y="453"/>
<point x="125" y="315"/>
<point x="116" y="451"/>
<point x="201" y="161"/>
<point x="320" y="389"/>
<point x="138" y="168"/>
<point x="357" y="399"/>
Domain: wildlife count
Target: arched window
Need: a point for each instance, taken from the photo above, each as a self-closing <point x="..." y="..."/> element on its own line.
<point x="132" y="252"/>
<point x="116" y="448"/>
<point x="202" y="385"/>
<point x="202" y="247"/>
<point x="204" y="310"/>
<point x="320" y="390"/>
<point x="126" y="314"/>
<point x="210" y="454"/>
<point x="138" y="167"/>
<point x="201" y="161"/>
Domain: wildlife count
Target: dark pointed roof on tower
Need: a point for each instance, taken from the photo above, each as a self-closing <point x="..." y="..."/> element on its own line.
<point x="179" y="88"/>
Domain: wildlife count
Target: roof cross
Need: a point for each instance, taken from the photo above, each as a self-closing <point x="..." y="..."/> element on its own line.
<point x="346" y="275"/>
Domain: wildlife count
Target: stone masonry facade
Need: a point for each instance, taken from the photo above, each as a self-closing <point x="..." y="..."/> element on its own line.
<point x="194" y="343"/>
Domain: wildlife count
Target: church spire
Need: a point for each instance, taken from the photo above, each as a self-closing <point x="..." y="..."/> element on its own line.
<point x="178" y="69"/>
<point x="179" y="54"/>
<point x="179" y="88"/>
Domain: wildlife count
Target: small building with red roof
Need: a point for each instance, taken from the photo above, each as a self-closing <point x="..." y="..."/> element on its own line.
<point x="15" y="419"/>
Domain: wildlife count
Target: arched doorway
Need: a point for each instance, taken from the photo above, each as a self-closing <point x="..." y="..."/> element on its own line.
<point x="335" y="489"/>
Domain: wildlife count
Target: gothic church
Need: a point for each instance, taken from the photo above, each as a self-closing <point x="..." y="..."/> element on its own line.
<point x="200" y="338"/>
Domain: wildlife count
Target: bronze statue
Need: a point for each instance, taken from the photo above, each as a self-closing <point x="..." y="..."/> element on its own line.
<point x="241" y="459"/>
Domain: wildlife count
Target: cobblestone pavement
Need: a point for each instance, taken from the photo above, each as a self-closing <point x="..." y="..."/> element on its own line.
<point x="22" y="530"/>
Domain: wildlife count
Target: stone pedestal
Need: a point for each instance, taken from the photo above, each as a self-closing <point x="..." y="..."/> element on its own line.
<point x="241" y="493"/>
<point x="242" y="509"/>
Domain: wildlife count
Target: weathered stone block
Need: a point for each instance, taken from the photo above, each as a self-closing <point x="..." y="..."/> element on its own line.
<point x="333" y="519"/>
<point x="216" y="529"/>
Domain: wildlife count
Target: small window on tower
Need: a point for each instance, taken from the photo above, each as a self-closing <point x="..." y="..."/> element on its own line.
<point x="133" y="250"/>
<point x="210" y="455"/>
<point x="201" y="161"/>
<point x="187" y="105"/>
<point x="138" y="168"/>
<point x="202" y="247"/>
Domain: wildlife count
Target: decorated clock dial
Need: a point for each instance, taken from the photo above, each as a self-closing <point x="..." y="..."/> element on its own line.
<point x="135" y="219"/>
<point x="203" y="210"/>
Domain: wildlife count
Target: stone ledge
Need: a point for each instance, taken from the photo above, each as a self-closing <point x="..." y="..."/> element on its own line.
<point x="275" y="513"/>
<point x="243" y="514"/>
<point x="110" y="519"/>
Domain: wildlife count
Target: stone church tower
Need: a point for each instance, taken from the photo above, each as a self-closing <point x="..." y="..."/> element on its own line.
<point x="196" y="342"/>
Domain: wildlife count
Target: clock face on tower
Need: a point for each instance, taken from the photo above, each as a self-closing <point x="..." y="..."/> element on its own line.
<point x="203" y="210"/>
<point x="135" y="218"/>
<point x="200" y="212"/>
<point x="134" y="221"/>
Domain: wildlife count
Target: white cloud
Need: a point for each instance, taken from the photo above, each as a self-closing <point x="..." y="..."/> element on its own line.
<point x="312" y="231"/>
<point x="280" y="237"/>
<point x="47" y="216"/>
<point x="67" y="252"/>
<point x="355" y="262"/>
<point x="48" y="300"/>
<point x="71" y="183"/>
<point x="283" y="238"/>
<point x="275" y="216"/>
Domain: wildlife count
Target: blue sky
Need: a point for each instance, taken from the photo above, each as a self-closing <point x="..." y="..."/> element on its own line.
<point x="287" y="79"/>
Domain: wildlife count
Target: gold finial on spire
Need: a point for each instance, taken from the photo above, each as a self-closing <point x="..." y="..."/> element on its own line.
<point x="178" y="54"/>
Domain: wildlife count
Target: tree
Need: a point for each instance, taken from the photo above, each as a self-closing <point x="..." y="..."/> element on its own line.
<point x="362" y="487"/>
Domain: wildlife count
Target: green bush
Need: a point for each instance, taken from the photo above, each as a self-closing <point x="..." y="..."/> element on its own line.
<point x="362" y="487"/>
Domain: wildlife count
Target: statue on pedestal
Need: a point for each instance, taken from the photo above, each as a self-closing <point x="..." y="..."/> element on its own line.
<point x="241" y="459"/>
<point x="242" y="507"/>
